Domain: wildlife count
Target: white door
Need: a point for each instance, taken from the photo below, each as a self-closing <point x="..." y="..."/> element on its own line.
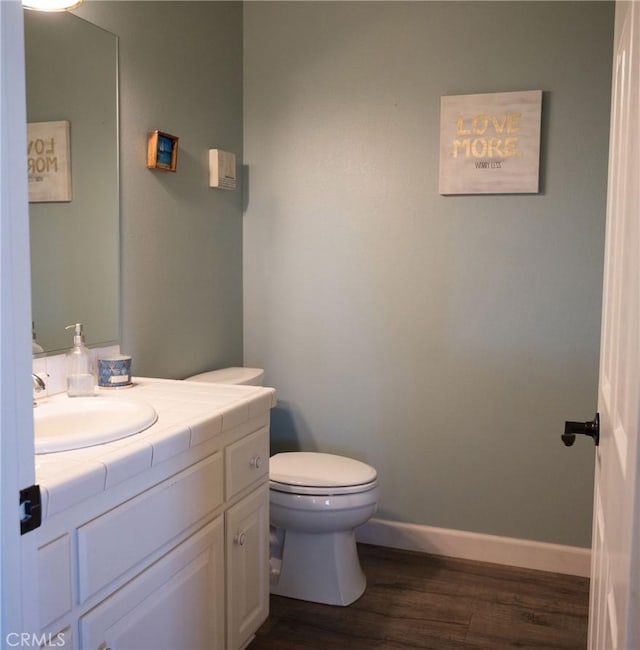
<point x="18" y="578"/>
<point x="614" y="609"/>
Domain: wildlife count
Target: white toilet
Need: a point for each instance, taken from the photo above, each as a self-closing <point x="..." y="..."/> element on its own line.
<point x="316" y="503"/>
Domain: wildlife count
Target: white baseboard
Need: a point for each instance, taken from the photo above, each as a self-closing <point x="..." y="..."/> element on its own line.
<point x="529" y="554"/>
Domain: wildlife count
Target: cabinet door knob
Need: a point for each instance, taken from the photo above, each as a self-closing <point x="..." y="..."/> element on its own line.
<point x="240" y="538"/>
<point x="256" y="462"/>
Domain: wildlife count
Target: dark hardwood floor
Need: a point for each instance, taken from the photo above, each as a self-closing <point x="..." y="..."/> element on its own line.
<point x="425" y="601"/>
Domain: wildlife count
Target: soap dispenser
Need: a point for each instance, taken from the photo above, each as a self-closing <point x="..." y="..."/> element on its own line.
<point x="80" y="376"/>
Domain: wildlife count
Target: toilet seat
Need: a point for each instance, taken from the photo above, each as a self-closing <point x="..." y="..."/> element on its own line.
<point x="305" y="490"/>
<point x="312" y="473"/>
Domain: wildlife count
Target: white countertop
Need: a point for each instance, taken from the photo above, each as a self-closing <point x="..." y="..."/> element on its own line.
<point x="189" y="414"/>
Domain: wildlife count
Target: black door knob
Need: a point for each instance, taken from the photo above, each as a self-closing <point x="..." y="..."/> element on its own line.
<point x="591" y="429"/>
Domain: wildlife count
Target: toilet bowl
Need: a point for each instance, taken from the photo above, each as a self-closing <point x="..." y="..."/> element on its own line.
<point x="316" y="502"/>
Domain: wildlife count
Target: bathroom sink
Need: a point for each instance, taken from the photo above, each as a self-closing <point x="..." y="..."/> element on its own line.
<point x="77" y="422"/>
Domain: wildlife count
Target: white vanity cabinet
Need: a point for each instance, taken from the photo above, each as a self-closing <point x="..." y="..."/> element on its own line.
<point x="174" y="559"/>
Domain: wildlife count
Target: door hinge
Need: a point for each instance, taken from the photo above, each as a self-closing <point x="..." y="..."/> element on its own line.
<point x="30" y="509"/>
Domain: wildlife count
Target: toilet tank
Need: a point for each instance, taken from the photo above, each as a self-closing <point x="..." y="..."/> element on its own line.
<point x="244" y="376"/>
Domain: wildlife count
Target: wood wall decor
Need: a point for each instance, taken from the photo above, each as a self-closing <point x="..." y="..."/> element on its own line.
<point x="490" y="143"/>
<point x="49" y="161"/>
<point x="162" y="151"/>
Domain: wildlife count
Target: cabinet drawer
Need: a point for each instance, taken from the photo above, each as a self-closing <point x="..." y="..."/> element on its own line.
<point x="121" y="539"/>
<point x="247" y="460"/>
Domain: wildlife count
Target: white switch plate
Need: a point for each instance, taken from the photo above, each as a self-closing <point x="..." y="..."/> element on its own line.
<point x="222" y="169"/>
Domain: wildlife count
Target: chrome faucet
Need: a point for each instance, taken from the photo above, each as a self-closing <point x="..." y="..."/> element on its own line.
<point x="38" y="385"/>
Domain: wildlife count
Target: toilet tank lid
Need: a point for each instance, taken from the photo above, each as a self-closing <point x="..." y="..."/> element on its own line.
<point x="247" y="376"/>
<point x="314" y="469"/>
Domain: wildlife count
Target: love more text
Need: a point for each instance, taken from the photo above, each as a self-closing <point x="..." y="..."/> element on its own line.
<point x="487" y="136"/>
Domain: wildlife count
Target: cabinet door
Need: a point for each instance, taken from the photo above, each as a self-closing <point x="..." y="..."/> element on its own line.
<point x="247" y="567"/>
<point x="178" y="602"/>
<point x="54" y="570"/>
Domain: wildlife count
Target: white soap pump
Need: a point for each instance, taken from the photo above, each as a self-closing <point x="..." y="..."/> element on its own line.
<point x="80" y="376"/>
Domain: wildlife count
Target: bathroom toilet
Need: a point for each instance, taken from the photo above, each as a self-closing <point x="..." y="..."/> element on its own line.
<point x="316" y="502"/>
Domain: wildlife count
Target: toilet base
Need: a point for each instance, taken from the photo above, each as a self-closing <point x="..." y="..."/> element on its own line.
<point x="321" y="568"/>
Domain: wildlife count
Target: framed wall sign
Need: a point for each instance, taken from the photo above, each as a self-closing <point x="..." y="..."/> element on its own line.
<point x="490" y="143"/>
<point x="162" y="151"/>
<point x="48" y="161"/>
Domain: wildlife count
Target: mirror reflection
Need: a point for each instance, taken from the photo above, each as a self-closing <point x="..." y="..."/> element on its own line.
<point x="71" y="70"/>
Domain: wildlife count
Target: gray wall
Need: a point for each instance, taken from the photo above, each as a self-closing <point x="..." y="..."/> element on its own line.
<point x="181" y="241"/>
<point x="442" y="339"/>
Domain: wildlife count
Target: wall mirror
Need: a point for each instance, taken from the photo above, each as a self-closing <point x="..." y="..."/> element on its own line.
<point x="72" y="76"/>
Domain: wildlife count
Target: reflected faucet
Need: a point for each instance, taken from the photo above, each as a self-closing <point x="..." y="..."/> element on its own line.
<point x="38" y="385"/>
